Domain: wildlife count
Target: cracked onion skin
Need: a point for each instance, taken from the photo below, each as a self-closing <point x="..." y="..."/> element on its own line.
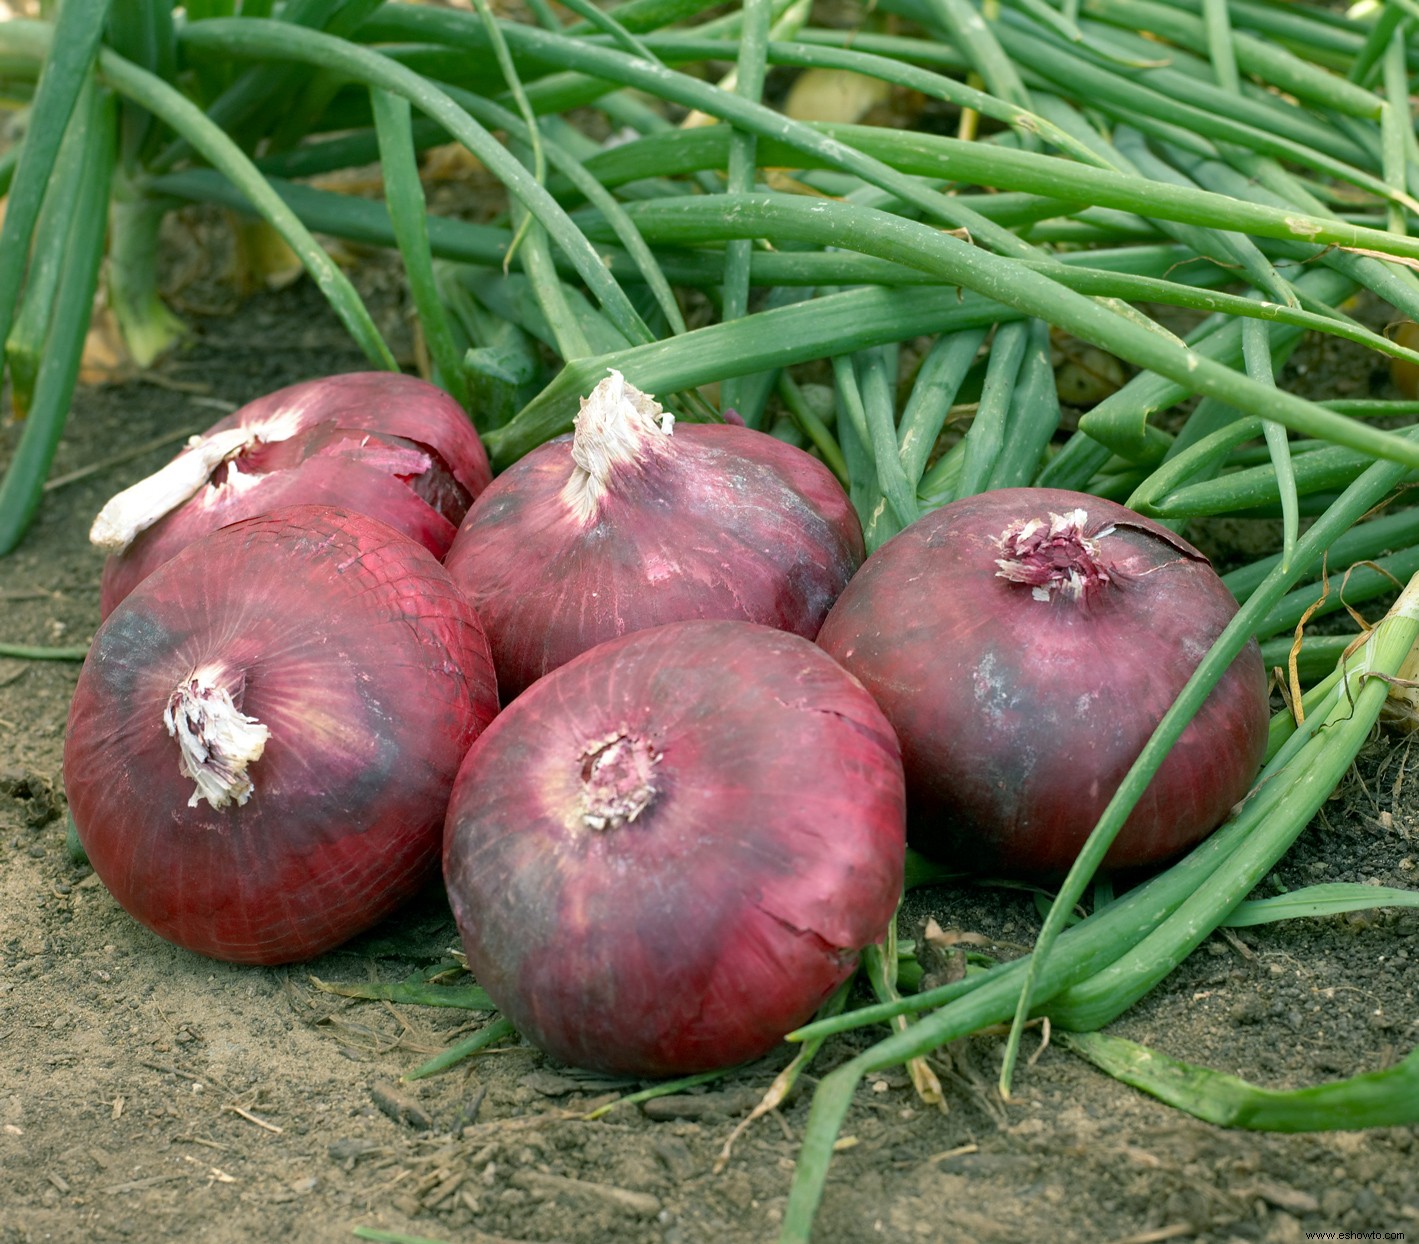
<point x="632" y="522"/>
<point x="388" y="445"/>
<point x="1024" y="668"/>
<point x="335" y="677"/>
<point x="662" y="863"/>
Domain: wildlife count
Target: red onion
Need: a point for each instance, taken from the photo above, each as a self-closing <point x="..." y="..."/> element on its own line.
<point x="1025" y="643"/>
<point x="266" y="731"/>
<point x="668" y="852"/>
<point x="387" y="445"/>
<point x="636" y="521"/>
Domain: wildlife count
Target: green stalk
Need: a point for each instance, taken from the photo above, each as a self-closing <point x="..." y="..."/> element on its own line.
<point x="691" y="360"/>
<point x="1199" y="459"/>
<point x="23" y="485"/>
<point x="39" y="652"/>
<point x="973" y="35"/>
<point x="511" y="297"/>
<point x="662" y="1088"/>
<point x="1321" y="470"/>
<point x="985" y="440"/>
<point x="1265" y="181"/>
<point x="24" y="350"/>
<point x="500" y="362"/>
<point x="778" y="337"/>
<point x="149" y="328"/>
<point x="529" y="235"/>
<point x="78" y="29"/>
<point x="864" y="490"/>
<point x="1218" y="24"/>
<point x="1120" y="421"/>
<point x="1326" y="38"/>
<point x="1334" y="899"/>
<point x="533" y="136"/>
<point x="1366" y="66"/>
<point x="879" y="374"/>
<point x="742" y="174"/>
<point x="569" y="337"/>
<point x="141" y="31"/>
<point x="607" y="24"/>
<point x="938" y="380"/>
<point x="1034" y="414"/>
<point x="640" y="16"/>
<point x="1256" y="350"/>
<point x="1387" y="1098"/>
<point x="414" y="990"/>
<point x="493" y="1031"/>
<point x="1394" y="121"/>
<point x="404" y="195"/>
<point x="812" y="426"/>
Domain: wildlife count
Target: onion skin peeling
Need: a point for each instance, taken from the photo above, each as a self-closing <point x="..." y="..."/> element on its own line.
<point x="668" y="852"/>
<point x="266" y="730"/>
<point x="635" y="521"/>
<point x="391" y="446"/>
<point x="1025" y="643"/>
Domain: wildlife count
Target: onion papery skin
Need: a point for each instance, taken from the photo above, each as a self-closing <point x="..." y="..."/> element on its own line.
<point x="352" y="646"/>
<point x="1019" y="717"/>
<point x="714" y="521"/>
<point x="388" y="445"/>
<point x="760" y="847"/>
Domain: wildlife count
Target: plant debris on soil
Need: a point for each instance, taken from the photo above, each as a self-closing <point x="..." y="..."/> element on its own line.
<point x="149" y="1094"/>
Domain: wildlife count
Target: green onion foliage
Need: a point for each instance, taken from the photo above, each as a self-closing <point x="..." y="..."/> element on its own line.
<point x="1192" y="190"/>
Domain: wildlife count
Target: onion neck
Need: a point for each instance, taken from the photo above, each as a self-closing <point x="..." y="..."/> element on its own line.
<point x="1058" y="558"/>
<point x="617" y="780"/>
<point x="618" y="426"/>
<point x="217" y="742"/>
<point x="132" y="511"/>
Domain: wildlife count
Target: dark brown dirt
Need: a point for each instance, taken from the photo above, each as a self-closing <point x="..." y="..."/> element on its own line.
<point x="148" y="1094"/>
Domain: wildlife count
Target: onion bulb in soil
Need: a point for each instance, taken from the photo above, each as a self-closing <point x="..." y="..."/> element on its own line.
<point x="391" y="446"/>
<point x="635" y="521"/>
<point x="265" y="733"/>
<point x="1025" y="643"/>
<point x="668" y="852"/>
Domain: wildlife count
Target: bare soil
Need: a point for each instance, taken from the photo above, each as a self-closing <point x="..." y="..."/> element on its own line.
<point x="149" y="1094"/>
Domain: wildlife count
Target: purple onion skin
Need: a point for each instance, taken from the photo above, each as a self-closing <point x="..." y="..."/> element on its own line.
<point x="353" y="646"/>
<point x="391" y="446"/>
<point x="1019" y="717"/>
<point x="695" y="935"/>
<point x="730" y="523"/>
